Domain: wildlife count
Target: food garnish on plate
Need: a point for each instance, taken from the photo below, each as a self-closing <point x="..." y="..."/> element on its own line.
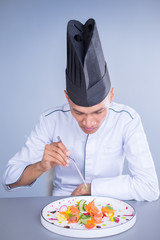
<point x="87" y="214"/>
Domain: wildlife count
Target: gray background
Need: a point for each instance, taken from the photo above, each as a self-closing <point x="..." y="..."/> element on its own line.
<point x="33" y="60"/>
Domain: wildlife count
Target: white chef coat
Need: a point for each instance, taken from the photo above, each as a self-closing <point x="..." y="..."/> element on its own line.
<point x="100" y="156"/>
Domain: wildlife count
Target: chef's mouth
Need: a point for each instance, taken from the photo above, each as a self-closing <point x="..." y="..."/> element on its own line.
<point x="86" y="129"/>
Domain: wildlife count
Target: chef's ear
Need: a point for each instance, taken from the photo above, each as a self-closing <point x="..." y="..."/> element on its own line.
<point x="66" y="95"/>
<point x="111" y="95"/>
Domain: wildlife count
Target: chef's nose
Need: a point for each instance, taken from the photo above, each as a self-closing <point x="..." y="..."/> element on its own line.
<point x="89" y="121"/>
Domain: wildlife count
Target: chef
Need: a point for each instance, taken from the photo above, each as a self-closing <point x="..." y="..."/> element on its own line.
<point x="97" y="132"/>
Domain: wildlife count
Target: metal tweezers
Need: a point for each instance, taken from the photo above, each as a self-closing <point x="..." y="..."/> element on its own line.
<point x="80" y="174"/>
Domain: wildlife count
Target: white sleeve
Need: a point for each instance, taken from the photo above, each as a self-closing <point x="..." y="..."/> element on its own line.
<point x="31" y="152"/>
<point x="142" y="184"/>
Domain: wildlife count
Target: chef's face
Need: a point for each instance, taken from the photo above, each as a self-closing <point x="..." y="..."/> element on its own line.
<point x="91" y="118"/>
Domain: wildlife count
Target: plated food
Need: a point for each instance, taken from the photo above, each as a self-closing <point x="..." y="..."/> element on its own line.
<point x="88" y="216"/>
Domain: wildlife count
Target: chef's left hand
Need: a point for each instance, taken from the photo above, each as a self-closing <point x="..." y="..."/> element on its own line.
<point x="82" y="190"/>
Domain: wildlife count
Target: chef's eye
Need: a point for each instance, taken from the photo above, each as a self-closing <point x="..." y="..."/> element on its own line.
<point x="99" y="112"/>
<point x="78" y="113"/>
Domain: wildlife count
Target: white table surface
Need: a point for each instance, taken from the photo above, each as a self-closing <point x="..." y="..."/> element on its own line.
<point x="20" y="220"/>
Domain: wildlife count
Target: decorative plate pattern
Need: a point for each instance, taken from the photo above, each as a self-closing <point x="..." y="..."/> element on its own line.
<point x="124" y="213"/>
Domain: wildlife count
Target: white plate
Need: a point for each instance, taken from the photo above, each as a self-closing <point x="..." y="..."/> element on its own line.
<point x="124" y="212"/>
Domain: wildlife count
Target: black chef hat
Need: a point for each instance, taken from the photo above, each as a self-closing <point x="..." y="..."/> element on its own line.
<point x="87" y="78"/>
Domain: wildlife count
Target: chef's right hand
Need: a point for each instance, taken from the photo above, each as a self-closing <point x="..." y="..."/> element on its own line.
<point x="55" y="154"/>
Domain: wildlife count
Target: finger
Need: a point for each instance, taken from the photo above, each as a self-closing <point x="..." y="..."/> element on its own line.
<point x="81" y="190"/>
<point x="54" y="161"/>
<point x="63" y="148"/>
<point x="56" y="157"/>
<point x="57" y="152"/>
<point x="75" y="192"/>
